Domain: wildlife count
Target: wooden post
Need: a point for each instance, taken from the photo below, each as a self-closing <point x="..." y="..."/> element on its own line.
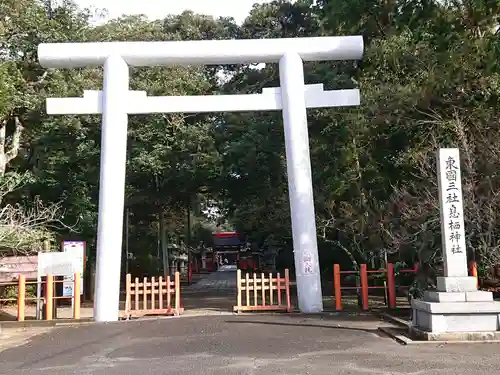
<point x="473" y="272"/>
<point x="238" y="286"/>
<point x="177" y="292"/>
<point x="271" y="293"/>
<point x="169" y="293"/>
<point x="287" y="290"/>
<point x="160" y="292"/>
<point x="254" y="286"/>
<point x="337" y="287"/>
<point x="21" y="298"/>
<point x="76" y="296"/>
<point x="145" y="293"/>
<point x="262" y="286"/>
<point x="49" y="296"/>
<point x="278" y="282"/>
<point x="153" y="291"/>
<point x="136" y="293"/>
<point x="247" y="288"/>
<point x="391" y="286"/>
<point x="128" y="297"/>
<point x="364" y="287"/>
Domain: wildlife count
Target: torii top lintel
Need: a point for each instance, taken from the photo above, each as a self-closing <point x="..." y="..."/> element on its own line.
<point x="200" y="52"/>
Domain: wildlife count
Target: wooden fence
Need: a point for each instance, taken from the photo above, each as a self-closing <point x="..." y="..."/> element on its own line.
<point x="48" y="299"/>
<point x="263" y="292"/>
<point x="156" y="296"/>
<point x="362" y="288"/>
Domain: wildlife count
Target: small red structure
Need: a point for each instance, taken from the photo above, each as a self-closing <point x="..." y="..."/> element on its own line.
<point x="229" y="248"/>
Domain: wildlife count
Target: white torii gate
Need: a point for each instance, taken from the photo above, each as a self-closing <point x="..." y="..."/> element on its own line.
<point x="115" y="102"/>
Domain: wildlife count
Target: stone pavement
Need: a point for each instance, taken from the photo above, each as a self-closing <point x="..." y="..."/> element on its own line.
<point x="215" y="282"/>
<point x="244" y="344"/>
<point x="215" y="292"/>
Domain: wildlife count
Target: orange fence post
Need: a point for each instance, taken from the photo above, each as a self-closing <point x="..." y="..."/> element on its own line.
<point x="238" y="286"/>
<point x="153" y="292"/>
<point x="128" y="296"/>
<point x="247" y="289"/>
<point x="263" y="289"/>
<point x="145" y="293"/>
<point x="76" y="295"/>
<point x="391" y="286"/>
<point x="337" y="287"/>
<point x="271" y="292"/>
<point x="287" y="286"/>
<point x="473" y="272"/>
<point x="177" y="287"/>
<point x="364" y="287"/>
<point x="21" y="297"/>
<point x="49" y="296"/>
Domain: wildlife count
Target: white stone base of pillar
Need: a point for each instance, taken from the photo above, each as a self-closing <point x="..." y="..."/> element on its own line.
<point x="456" y="307"/>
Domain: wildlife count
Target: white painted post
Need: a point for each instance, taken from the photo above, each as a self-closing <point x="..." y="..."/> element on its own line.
<point x="111" y="189"/>
<point x="300" y="184"/>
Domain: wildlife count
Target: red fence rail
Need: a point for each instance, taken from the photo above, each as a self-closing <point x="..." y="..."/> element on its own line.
<point x="363" y="287"/>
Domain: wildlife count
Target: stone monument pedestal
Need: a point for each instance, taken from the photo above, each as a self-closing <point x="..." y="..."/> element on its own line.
<point x="456" y="311"/>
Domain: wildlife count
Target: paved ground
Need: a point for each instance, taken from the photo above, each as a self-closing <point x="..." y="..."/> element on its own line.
<point x="215" y="292"/>
<point x="223" y="345"/>
<point x="218" y="282"/>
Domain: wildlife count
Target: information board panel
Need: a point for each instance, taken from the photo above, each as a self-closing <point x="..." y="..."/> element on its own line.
<point x="77" y="249"/>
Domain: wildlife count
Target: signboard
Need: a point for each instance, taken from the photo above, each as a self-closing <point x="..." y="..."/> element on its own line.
<point x="57" y="264"/>
<point x="13" y="266"/>
<point x="77" y="250"/>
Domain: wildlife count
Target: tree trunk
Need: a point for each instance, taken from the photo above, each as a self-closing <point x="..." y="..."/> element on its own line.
<point x="164" y="245"/>
<point x="6" y="156"/>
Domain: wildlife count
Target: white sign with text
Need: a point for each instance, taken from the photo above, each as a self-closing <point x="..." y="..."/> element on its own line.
<point x="57" y="264"/>
<point x="77" y="249"/>
<point x="452" y="212"/>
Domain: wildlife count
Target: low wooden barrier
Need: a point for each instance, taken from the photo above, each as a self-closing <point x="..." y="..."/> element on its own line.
<point x="263" y="292"/>
<point x="388" y="275"/>
<point x="157" y="296"/>
<point x="49" y="297"/>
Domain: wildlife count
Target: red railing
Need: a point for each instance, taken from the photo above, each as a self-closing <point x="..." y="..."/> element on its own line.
<point x="363" y="287"/>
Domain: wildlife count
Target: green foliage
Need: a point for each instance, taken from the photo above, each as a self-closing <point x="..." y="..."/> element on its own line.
<point x="429" y="78"/>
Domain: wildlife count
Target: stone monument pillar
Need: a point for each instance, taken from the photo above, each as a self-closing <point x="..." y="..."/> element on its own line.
<point x="456" y="310"/>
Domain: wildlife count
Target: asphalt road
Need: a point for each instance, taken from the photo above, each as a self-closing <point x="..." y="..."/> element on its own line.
<point x="267" y="344"/>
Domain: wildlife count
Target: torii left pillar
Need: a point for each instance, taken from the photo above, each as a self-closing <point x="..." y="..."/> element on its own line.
<point x="111" y="195"/>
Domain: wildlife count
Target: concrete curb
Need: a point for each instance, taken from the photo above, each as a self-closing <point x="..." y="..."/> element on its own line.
<point x="394" y="319"/>
<point x="400" y="338"/>
<point x="11" y="326"/>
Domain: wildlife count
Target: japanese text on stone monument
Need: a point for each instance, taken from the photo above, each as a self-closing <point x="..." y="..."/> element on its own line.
<point x="451" y="204"/>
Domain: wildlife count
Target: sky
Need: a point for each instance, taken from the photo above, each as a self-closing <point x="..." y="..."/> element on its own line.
<point x="157" y="9"/>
